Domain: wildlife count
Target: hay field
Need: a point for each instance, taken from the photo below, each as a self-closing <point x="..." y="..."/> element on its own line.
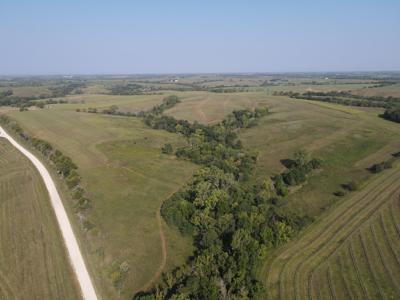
<point x="352" y="252"/>
<point x="33" y="261"/>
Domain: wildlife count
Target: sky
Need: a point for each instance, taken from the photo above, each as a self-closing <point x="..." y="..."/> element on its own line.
<point x="198" y="36"/>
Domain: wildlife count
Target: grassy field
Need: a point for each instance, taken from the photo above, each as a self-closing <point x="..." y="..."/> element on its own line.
<point x="352" y="252"/>
<point x="33" y="261"/>
<point x="28" y="91"/>
<point x="347" y="140"/>
<point x="209" y="108"/>
<point x="303" y="87"/>
<point x="127" y="178"/>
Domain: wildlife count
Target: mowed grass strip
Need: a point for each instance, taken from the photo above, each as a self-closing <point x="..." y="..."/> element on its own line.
<point x="296" y="272"/>
<point x="33" y="261"/>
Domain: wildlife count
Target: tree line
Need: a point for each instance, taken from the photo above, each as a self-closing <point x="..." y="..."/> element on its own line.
<point x="7" y="97"/>
<point x="167" y="103"/>
<point x="344" y="98"/>
<point x="63" y="164"/>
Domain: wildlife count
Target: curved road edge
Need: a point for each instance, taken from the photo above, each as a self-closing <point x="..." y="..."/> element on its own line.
<point x="75" y="256"/>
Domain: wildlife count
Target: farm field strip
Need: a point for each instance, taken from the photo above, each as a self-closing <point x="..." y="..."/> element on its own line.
<point x="295" y="266"/>
<point x="75" y="255"/>
<point x="33" y="260"/>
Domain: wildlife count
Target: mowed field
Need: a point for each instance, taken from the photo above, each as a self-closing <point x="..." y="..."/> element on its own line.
<point x="33" y="261"/>
<point x="127" y="178"/>
<point x="352" y="252"/>
<point x="384" y="91"/>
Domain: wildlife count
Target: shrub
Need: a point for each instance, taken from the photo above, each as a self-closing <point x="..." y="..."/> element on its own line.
<point x="167" y="149"/>
<point x="352" y="186"/>
<point x="339" y="193"/>
<point x="377" y="168"/>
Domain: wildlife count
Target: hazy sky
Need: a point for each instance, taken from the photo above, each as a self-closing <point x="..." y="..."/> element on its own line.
<point x="148" y="36"/>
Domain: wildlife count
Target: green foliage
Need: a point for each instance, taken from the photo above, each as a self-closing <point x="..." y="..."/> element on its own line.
<point x="231" y="217"/>
<point x="63" y="164"/>
<point x="67" y="88"/>
<point x="167" y="103"/>
<point x="126" y="89"/>
<point x="24" y="102"/>
<point x="244" y="118"/>
<point x="234" y="225"/>
<point x="352" y="186"/>
<point x="6" y="93"/>
<point x="377" y="168"/>
<point x="298" y="172"/>
<point x="167" y="149"/>
<point x="340" y="193"/>
<point x="392" y="114"/>
<point x="280" y="186"/>
<point x="215" y="145"/>
<point x="345" y="98"/>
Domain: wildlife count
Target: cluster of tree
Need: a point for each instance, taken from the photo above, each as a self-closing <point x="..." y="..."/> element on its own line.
<point x="112" y="110"/>
<point x="233" y="218"/>
<point x="244" y="118"/>
<point x="24" y="102"/>
<point x="126" y="89"/>
<point x="392" y="114"/>
<point x="167" y="149"/>
<point x="379" y="167"/>
<point x="67" y="89"/>
<point x="344" y="98"/>
<point x="6" y="93"/>
<point x="167" y="103"/>
<point x="16" y="101"/>
<point x="229" y="89"/>
<point x="297" y="171"/>
<point x="234" y="225"/>
<point x="62" y="163"/>
<point x="215" y="145"/>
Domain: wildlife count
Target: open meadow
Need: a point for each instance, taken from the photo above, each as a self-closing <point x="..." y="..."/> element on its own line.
<point x="33" y="261"/>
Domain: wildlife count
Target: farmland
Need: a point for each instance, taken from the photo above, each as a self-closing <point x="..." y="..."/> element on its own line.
<point x="128" y="178"/>
<point x="351" y="252"/>
<point x="33" y="260"/>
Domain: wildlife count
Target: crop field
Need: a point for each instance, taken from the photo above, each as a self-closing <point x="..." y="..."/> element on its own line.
<point x="127" y="178"/>
<point x="352" y="252"/>
<point x="385" y="91"/>
<point x="33" y="261"/>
